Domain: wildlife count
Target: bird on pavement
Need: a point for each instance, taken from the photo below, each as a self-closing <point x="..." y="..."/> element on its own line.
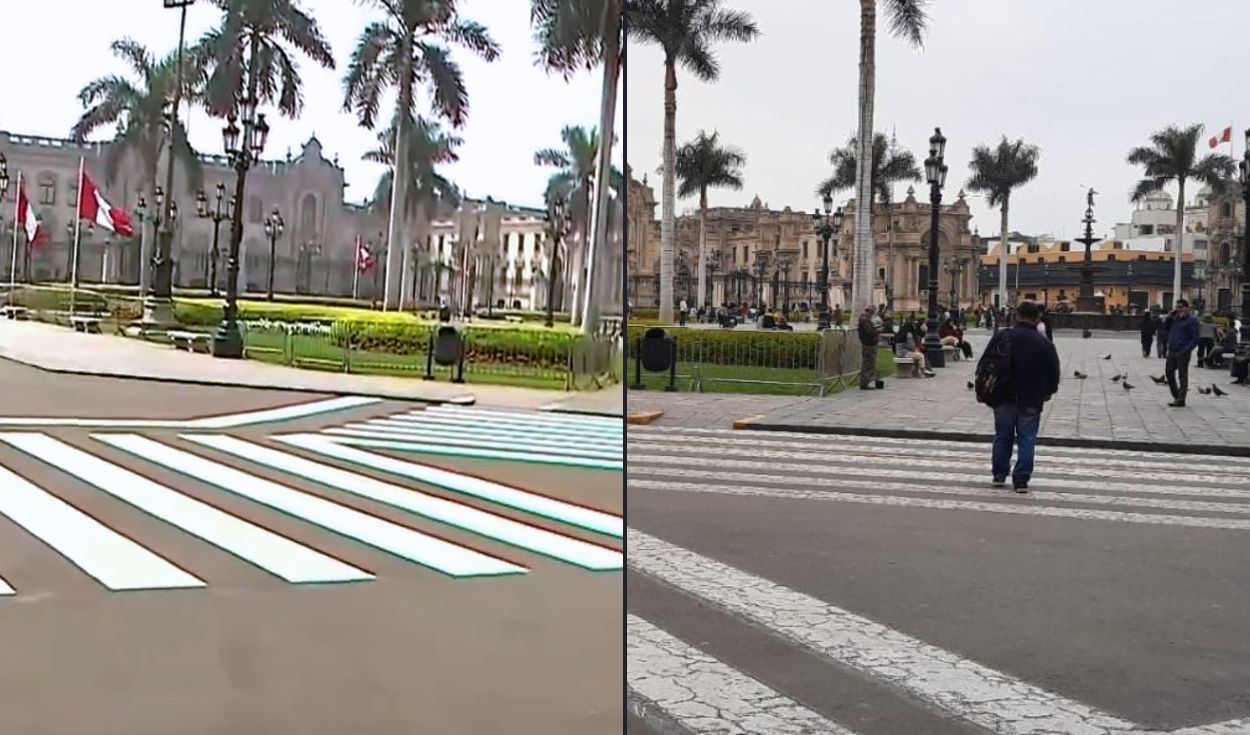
<point x="1204" y="391"/>
<point x="1107" y="356"/>
<point x="1127" y="386"/>
<point x="971" y="385"/>
<point x="1217" y="390"/>
<point x="1161" y="380"/>
<point x="1080" y="375"/>
<point x="1117" y="378"/>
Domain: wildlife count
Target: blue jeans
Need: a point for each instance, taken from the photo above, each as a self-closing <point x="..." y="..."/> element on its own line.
<point x="1015" y="425"/>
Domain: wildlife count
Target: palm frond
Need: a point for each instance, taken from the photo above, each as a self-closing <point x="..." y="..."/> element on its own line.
<point x="908" y="19"/>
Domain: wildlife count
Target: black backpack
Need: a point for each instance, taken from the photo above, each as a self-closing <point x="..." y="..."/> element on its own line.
<point x="994" y="372"/>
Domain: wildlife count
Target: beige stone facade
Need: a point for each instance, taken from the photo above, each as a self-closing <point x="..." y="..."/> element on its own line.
<point x="315" y="253"/>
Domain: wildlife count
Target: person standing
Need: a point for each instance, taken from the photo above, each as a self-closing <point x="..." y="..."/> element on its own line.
<point x="1147" y="328"/>
<point x="1182" y="338"/>
<point x="1206" y="339"/>
<point x="1017" y="374"/>
<point x="1161" y="334"/>
<point x="868" y="336"/>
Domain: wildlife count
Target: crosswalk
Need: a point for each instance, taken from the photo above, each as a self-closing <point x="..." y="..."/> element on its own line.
<point x="325" y="480"/>
<point x="674" y="684"/>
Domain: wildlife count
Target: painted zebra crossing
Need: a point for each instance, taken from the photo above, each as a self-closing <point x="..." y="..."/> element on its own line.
<point x="544" y="438"/>
<point x="569" y="533"/>
<point x="673" y="685"/>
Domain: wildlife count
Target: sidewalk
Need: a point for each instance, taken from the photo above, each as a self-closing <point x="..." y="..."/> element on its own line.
<point x="1094" y="412"/>
<point x="62" y="350"/>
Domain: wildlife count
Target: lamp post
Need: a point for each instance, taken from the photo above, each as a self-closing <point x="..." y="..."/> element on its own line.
<point x="243" y="148"/>
<point x="784" y="264"/>
<point x="935" y="173"/>
<point x="1245" y="246"/>
<point x="827" y="226"/>
<point x="560" y="227"/>
<point x="4" y="189"/>
<point x="1046" y="283"/>
<point x="761" y="269"/>
<point x="273" y="230"/>
<point x="222" y="210"/>
<point x="1200" y="275"/>
<point x="955" y="269"/>
<point x="1085" y="296"/>
<point x="1130" y="288"/>
<point x="713" y="265"/>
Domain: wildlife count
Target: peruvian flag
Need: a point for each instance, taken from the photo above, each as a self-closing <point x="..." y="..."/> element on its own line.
<point x="1225" y="137"/>
<point x="26" y="217"/>
<point x="364" y="258"/>
<point x="92" y="206"/>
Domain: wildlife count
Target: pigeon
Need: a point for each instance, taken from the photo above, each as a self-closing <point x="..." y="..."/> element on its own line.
<point x="1204" y="391"/>
<point x="1117" y="378"/>
<point x="1080" y="375"/>
<point x="1217" y="390"/>
<point x="1127" y="386"/>
<point x="1161" y="380"/>
<point x="1107" y="356"/>
<point x="971" y="385"/>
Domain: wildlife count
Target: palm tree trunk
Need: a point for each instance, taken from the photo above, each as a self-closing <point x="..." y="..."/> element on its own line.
<point x="607" y="118"/>
<point x="1002" y="254"/>
<point x="668" y="203"/>
<point x="862" y="268"/>
<point x="703" y="284"/>
<point x="583" y="254"/>
<point x="1178" y="248"/>
<point x="396" y="243"/>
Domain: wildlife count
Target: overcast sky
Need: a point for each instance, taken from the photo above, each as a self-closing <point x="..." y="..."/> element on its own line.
<point x="515" y="107"/>
<point x="1085" y="81"/>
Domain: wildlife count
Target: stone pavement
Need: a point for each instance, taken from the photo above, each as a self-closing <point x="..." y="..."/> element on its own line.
<point x="58" y="349"/>
<point x="1090" y="412"/>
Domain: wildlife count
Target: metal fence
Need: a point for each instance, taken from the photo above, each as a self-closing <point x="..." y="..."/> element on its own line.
<point x="763" y="362"/>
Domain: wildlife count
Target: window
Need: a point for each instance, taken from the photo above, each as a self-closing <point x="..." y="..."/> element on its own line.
<point x="1226" y="209"/>
<point x="47" y="189"/>
<point x="805" y="250"/>
<point x="1063" y="259"/>
<point x="71" y="200"/>
<point x="1141" y="257"/>
<point x="746" y="257"/>
<point x="1110" y="256"/>
<point x="881" y="273"/>
<point x="1146" y="230"/>
<point x="923" y="276"/>
<point x="1064" y="247"/>
<point x="308" y="214"/>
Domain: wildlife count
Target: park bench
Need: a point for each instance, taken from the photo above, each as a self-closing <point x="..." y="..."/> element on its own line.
<point x="903" y="362"/>
<point x="85" y="324"/>
<point x="513" y="318"/>
<point x="13" y="312"/>
<point x="951" y="353"/>
<point x="191" y="341"/>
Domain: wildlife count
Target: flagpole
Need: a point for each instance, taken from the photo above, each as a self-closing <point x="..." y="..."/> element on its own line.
<point x="13" y="257"/>
<point x="73" y="271"/>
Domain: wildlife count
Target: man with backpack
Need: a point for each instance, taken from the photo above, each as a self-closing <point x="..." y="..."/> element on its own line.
<point x="1018" y="372"/>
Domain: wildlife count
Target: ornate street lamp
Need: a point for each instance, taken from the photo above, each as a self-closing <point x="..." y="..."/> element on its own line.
<point x="826" y="227"/>
<point x="1245" y="246"/>
<point x="561" y="226"/>
<point x="713" y="265"/>
<point x="273" y="230"/>
<point x="785" y="262"/>
<point x="243" y="147"/>
<point x="761" y="270"/>
<point x="935" y="173"/>
<point x="221" y="211"/>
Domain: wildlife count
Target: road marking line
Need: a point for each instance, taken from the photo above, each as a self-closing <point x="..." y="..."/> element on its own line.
<point x="889" y="488"/>
<point x="107" y="556"/>
<point x="443" y="449"/>
<point x="522" y="535"/>
<point x="503" y="427"/>
<point x="6" y="589"/>
<point x="611" y="423"/>
<point x="452" y="439"/>
<point x="829" y="470"/>
<point x="406" y="543"/>
<point x="1229" y="727"/>
<point x="284" y="413"/>
<point x="512" y="497"/>
<point x="616" y="444"/>
<point x="1091" y="514"/>
<point x="991" y="699"/>
<point x="702" y="694"/>
<point x="974" y="452"/>
<point x="269" y="551"/>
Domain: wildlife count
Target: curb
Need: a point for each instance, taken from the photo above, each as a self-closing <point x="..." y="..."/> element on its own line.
<point x="642" y="418"/>
<point x="464" y="400"/>
<point x="1042" y="441"/>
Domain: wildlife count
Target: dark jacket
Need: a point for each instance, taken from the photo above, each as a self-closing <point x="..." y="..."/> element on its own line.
<point x="868" y="333"/>
<point x="1034" y="365"/>
<point x="1183" y="333"/>
<point x="1148" y="327"/>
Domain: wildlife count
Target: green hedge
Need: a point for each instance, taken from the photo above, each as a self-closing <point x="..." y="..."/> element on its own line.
<point x="482" y="345"/>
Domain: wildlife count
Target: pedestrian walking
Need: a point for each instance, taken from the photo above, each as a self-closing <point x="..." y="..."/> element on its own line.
<point x="868" y="336"/>
<point x="1161" y="334"/>
<point x="1017" y="374"/>
<point x="1147" y="328"/>
<point x="1182" y="339"/>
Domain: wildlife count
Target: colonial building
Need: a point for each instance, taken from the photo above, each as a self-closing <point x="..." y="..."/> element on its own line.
<point x="758" y="254"/>
<point x="315" y="253"/>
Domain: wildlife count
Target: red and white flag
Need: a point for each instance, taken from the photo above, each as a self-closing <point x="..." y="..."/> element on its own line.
<point x="1225" y="137"/>
<point x="92" y="206"/>
<point x="26" y="217"/>
<point x="364" y="258"/>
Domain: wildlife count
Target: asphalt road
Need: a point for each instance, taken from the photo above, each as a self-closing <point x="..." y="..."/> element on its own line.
<point x="217" y="561"/>
<point x="790" y="583"/>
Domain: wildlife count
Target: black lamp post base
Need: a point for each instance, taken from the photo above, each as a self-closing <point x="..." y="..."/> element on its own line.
<point x="934" y="353"/>
<point x="228" y="341"/>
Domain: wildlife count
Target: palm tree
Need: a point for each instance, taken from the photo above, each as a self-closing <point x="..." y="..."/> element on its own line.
<point x="997" y="172"/>
<point x="138" y="107"/>
<point x="907" y="19"/>
<point x="410" y="46"/>
<point x="703" y="163"/>
<point x="890" y="165"/>
<point x="685" y="31"/>
<point x="428" y="191"/>
<point x="1173" y="156"/>
<point x="572" y="35"/>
